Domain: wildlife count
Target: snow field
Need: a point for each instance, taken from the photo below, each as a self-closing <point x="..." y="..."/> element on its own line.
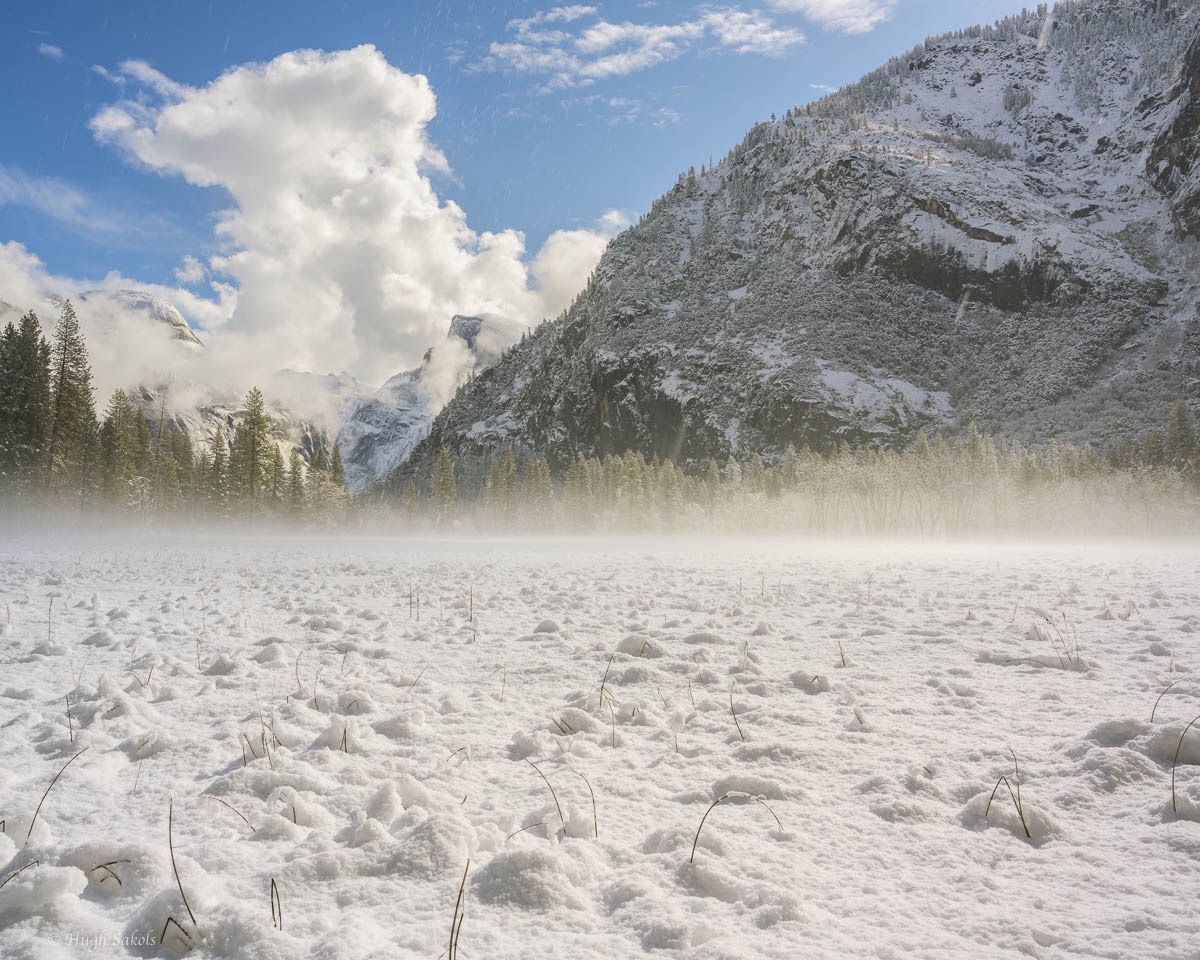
<point x="563" y="714"/>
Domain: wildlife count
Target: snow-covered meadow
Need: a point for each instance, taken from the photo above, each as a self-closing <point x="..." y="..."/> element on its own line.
<point x="562" y="714"/>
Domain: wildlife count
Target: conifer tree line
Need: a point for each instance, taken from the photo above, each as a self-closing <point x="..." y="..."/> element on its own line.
<point x="936" y="487"/>
<point x="57" y="452"/>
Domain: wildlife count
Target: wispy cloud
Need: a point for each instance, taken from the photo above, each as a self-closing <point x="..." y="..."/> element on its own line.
<point x="616" y="111"/>
<point x="50" y="197"/>
<point x="114" y="78"/>
<point x="157" y="81"/>
<point x="190" y="272"/>
<point x="847" y="16"/>
<point x="574" y="47"/>
<point x="50" y="51"/>
<point x="70" y="207"/>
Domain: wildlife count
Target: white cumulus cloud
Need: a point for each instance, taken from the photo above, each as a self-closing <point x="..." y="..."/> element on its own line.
<point x="337" y="251"/>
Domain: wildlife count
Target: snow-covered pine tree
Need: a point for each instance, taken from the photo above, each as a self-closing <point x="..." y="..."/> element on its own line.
<point x="278" y="479"/>
<point x="669" y="494"/>
<point x="216" y="493"/>
<point x="444" y="488"/>
<point x="507" y="499"/>
<point x="24" y="404"/>
<point x="251" y="457"/>
<point x="337" y="471"/>
<point x="119" y="451"/>
<point x="72" y="444"/>
<point x="577" y="496"/>
<point x="295" y="485"/>
<point x="179" y="465"/>
<point x="1180" y="443"/>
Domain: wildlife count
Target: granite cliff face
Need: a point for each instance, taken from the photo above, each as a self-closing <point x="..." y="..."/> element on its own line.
<point x="997" y="226"/>
<point x="1174" y="162"/>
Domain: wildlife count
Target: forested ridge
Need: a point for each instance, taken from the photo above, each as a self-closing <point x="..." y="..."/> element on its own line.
<point x="60" y="456"/>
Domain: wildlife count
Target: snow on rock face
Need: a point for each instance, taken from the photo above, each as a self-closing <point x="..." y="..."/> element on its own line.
<point x="380" y="432"/>
<point x="105" y="305"/>
<point x="987" y="228"/>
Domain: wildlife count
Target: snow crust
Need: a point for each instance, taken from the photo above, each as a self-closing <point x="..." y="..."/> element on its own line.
<point x="876" y="692"/>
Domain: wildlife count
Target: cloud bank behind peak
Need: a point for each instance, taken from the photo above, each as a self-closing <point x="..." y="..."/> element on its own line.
<point x="336" y="252"/>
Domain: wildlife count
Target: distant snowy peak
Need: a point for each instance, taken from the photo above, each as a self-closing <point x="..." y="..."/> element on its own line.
<point x="994" y="226"/>
<point x="106" y="306"/>
<point x="466" y="329"/>
<point x="381" y="431"/>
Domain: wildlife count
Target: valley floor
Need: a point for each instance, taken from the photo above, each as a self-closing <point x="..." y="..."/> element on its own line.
<point x="281" y="701"/>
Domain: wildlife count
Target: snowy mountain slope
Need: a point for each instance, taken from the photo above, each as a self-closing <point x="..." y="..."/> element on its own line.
<point x="998" y="225"/>
<point x="101" y="310"/>
<point x="105" y="307"/>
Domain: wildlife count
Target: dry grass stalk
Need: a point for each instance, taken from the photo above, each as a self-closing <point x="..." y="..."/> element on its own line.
<point x="276" y="906"/>
<point x="174" y="866"/>
<point x="1175" y="762"/>
<point x="412" y="690"/>
<point x="557" y="805"/>
<point x="316" y="680"/>
<point x="1159" y="700"/>
<point x="528" y="826"/>
<point x="253" y="828"/>
<point x="162" y="937"/>
<point x="31" y="863"/>
<point x="731" y="795"/>
<point x="732" y="683"/>
<point x="29" y="832"/>
<point x="460" y="911"/>
<point x="604" y="680"/>
<point x="1014" y="795"/>
<point x="108" y="868"/>
<point x="595" y="818"/>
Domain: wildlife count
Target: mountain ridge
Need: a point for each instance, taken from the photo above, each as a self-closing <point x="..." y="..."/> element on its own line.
<point x="997" y="226"/>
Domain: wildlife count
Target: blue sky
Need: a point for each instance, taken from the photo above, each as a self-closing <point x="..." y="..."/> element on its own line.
<point x="547" y="119"/>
